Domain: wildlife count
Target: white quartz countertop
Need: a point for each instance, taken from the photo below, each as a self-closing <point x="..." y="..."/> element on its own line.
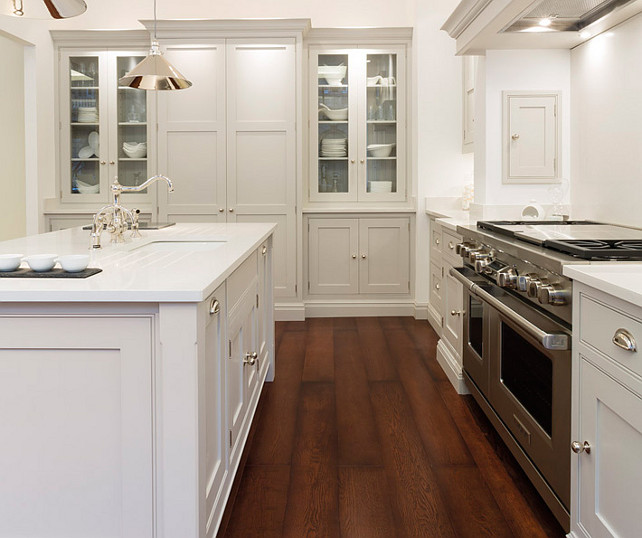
<point x="451" y="218"/>
<point x="622" y="280"/>
<point x="134" y="274"/>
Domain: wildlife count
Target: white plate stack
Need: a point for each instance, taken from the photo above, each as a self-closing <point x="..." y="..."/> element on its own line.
<point x="334" y="147"/>
<point x="87" y="114"/>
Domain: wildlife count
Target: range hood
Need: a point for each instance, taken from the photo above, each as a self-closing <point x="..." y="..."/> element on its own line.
<point x="564" y="15"/>
<point x="480" y="25"/>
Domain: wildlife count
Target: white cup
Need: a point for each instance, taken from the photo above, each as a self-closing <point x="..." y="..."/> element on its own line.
<point x="10" y="262"/>
<point x="74" y="263"/>
<point x="41" y="263"/>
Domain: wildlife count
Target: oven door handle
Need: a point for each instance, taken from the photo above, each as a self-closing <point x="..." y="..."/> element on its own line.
<point x="552" y="341"/>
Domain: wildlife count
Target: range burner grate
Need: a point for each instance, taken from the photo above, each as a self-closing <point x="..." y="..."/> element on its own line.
<point x="597" y="249"/>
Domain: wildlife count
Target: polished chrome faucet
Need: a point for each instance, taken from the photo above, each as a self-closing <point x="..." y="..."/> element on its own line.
<point x="114" y="217"/>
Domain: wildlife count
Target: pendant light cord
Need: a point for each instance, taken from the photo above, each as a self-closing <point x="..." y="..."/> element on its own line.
<point x="155" y="18"/>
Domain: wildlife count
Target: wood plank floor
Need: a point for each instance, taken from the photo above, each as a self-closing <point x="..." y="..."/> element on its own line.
<point x="362" y="435"/>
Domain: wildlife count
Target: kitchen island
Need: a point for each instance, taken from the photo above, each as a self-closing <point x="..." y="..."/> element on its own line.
<point x="126" y="397"/>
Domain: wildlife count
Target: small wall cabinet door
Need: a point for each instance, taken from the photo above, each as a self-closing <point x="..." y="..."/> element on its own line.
<point x="384" y="255"/>
<point x="333" y="251"/>
<point x="531" y="137"/>
<point x="610" y="420"/>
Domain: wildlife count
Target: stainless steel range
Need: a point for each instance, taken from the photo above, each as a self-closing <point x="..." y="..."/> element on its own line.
<point x="517" y="334"/>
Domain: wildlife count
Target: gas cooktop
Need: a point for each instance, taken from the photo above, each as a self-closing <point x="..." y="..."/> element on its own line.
<point x="582" y="239"/>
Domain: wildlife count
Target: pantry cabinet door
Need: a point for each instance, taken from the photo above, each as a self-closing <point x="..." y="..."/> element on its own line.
<point x="531" y="138"/>
<point x="333" y="260"/>
<point x="191" y="135"/>
<point x="384" y="255"/>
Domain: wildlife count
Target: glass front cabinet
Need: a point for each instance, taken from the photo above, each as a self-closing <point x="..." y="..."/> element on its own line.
<point x="105" y="128"/>
<point x="358" y="125"/>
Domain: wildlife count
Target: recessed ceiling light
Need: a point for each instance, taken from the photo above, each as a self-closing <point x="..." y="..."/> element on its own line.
<point x="546" y="21"/>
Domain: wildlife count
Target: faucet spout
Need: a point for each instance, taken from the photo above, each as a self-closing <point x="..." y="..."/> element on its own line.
<point x="143" y="186"/>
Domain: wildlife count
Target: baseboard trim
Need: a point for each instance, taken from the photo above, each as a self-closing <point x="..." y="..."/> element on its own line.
<point x="351" y="309"/>
<point x="421" y="310"/>
<point x="450" y="366"/>
<point x="289" y="312"/>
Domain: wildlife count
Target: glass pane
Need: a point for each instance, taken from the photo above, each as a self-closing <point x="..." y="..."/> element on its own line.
<point x="84" y="118"/>
<point x="381" y="99"/>
<point x="475" y="325"/>
<point x="528" y="374"/>
<point x="132" y="128"/>
<point x="333" y="123"/>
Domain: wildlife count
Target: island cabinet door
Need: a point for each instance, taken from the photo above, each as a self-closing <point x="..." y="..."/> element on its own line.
<point x="211" y="403"/>
<point x="76" y="426"/>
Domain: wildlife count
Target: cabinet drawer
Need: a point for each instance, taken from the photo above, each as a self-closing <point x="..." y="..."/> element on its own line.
<point x="449" y="241"/>
<point x="435" y="242"/>
<point x="435" y="286"/>
<point x="599" y="324"/>
<point x="241" y="279"/>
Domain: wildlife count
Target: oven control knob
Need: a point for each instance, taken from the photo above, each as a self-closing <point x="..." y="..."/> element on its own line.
<point x="507" y="278"/>
<point x="480" y="265"/>
<point x="523" y="281"/>
<point x="478" y="254"/>
<point x="534" y="286"/>
<point x="464" y="249"/>
<point x="553" y="294"/>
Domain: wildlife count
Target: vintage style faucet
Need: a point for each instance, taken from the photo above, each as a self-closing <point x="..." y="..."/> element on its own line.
<point x="114" y="217"/>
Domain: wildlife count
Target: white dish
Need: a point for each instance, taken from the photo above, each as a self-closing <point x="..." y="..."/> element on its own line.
<point x="41" y="263"/>
<point x="373" y="81"/>
<point x="85" y="153"/>
<point x="381" y="186"/>
<point x="86" y="188"/>
<point x="380" y="150"/>
<point x="93" y="140"/>
<point x="137" y="153"/>
<point x="333" y="74"/>
<point x="74" y="263"/>
<point x="10" y="262"/>
<point x="337" y="114"/>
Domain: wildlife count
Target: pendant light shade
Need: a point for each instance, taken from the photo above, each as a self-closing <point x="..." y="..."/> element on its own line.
<point x="43" y="9"/>
<point x="155" y="72"/>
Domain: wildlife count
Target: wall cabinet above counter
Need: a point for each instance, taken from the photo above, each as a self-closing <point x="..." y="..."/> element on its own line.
<point x="480" y="25"/>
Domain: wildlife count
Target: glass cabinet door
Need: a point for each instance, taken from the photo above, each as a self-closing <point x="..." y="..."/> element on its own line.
<point x="131" y="138"/>
<point x="333" y="132"/>
<point x="84" y="134"/>
<point x="381" y="123"/>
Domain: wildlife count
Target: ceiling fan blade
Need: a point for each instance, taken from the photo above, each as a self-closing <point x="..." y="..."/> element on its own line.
<point x="64" y="9"/>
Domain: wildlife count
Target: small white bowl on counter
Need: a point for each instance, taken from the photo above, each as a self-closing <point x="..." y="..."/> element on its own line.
<point x="41" y="263"/>
<point x="10" y="262"/>
<point x="74" y="263"/>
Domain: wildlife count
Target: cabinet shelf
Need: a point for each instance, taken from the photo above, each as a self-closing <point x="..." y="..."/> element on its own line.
<point x="333" y="122"/>
<point x="333" y="158"/>
<point x="333" y="86"/>
<point x="381" y="86"/>
<point x="382" y="122"/>
<point x="96" y="88"/>
<point x="132" y="123"/>
<point x="382" y="158"/>
<point x="82" y="123"/>
<point x="141" y="159"/>
<point x="78" y="160"/>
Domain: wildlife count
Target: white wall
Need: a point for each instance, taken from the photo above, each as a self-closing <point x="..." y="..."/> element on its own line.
<point x="607" y="126"/>
<point x="12" y="141"/>
<point x="545" y="70"/>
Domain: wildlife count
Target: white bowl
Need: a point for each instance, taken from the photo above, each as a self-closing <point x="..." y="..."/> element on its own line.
<point x="381" y="186"/>
<point x="333" y="74"/>
<point x="380" y="150"/>
<point x="41" y="262"/>
<point x="338" y="114"/>
<point x="74" y="263"/>
<point x="86" y="188"/>
<point x="10" y="262"/>
<point x="137" y="153"/>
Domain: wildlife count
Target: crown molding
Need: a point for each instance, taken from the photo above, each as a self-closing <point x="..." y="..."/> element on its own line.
<point x="377" y="35"/>
<point x="111" y="39"/>
<point x="218" y="28"/>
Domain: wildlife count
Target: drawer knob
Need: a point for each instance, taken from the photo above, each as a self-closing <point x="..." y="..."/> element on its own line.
<point x="437" y="241"/>
<point x="250" y="358"/>
<point x="215" y="307"/>
<point x="451" y="245"/>
<point x="456" y="312"/>
<point x="578" y="447"/>
<point x="436" y="286"/>
<point x="625" y="340"/>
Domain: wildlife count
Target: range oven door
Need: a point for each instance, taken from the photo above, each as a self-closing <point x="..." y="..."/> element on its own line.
<point x="520" y="360"/>
<point x="530" y="390"/>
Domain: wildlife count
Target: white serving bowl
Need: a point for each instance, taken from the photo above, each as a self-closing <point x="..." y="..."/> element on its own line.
<point x="337" y="114"/>
<point x="10" y="262"/>
<point x="137" y="153"/>
<point x="41" y="262"/>
<point x="74" y="263"/>
<point x="380" y="150"/>
<point x="333" y="74"/>
<point x="86" y="188"/>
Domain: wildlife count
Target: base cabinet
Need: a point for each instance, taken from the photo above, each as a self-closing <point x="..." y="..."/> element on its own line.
<point x="359" y="256"/>
<point x="606" y="470"/>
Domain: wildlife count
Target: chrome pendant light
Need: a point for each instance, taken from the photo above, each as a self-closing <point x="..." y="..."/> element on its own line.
<point x="43" y="9"/>
<point x="155" y="72"/>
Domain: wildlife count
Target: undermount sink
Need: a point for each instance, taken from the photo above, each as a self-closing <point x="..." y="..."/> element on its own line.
<point x="180" y="246"/>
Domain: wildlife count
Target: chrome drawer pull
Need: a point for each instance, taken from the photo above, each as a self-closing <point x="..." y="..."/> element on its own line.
<point x="625" y="340"/>
<point x="215" y="307"/>
<point x="578" y="447"/>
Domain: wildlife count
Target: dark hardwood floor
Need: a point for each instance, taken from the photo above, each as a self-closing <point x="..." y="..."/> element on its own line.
<point x="362" y="435"/>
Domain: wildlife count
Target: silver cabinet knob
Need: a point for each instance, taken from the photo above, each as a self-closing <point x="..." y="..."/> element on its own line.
<point x="250" y="358"/>
<point x="515" y="137"/>
<point x="103" y="162"/>
<point x="221" y="210"/>
<point x="354" y="256"/>
<point x="578" y="447"/>
<point x="112" y="162"/>
<point x="437" y="241"/>
<point x="456" y="312"/>
<point x="363" y="256"/>
<point x="451" y="245"/>
<point x="552" y="294"/>
<point x="625" y="340"/>
<point x="264" y="250"/>
<point x="231" y="210"/>
<point x="437" y="286"/>
<point x="362" y="161"/>
<point x="353" y="161"/>
<point x="215" y="307"/>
